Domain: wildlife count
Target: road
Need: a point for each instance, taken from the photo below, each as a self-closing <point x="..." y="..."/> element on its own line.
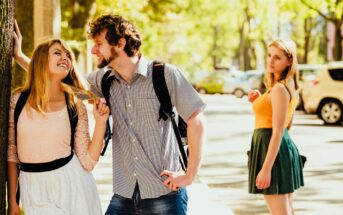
<point x="224" y="166"/>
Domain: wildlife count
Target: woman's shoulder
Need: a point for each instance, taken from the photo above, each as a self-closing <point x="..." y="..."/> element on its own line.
<point x="80" y="106"/>
<point x="279" y="87"/>
<point x="286" y="89"/>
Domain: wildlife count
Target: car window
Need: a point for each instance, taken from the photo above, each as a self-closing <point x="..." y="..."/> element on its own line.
<point x="336" y="74"/>
<point x="308" y="74"/>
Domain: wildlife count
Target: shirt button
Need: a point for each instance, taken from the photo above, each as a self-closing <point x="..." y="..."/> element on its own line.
<point x="136" y="158"/>
<point x="128" y="86"/>
<point x="134" y="174"/>
<point x="129" y="105"/>
<point x="131" y="123"/>
<point x="133" y="140"/>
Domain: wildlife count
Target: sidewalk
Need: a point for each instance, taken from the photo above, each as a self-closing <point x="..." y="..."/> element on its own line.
<point x="201" y="200"/>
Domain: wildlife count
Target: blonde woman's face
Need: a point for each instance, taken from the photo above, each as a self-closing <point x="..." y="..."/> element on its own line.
<point x="59" y="61"/>
<point x="277" y="60"/>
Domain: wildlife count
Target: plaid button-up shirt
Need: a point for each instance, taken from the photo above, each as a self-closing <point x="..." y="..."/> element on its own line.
<point x="143" y="146"/>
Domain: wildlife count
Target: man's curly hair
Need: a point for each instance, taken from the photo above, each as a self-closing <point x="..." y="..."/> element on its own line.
<point x="117" y="28"/>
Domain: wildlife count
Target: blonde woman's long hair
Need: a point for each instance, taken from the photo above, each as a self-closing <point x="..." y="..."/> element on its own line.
<point x="37" y="82"/>
<point x="291" y="72"/>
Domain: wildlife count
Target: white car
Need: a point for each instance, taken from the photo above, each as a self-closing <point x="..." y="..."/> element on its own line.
<point x="240" y="83"/>
<point x="322" y="93"/>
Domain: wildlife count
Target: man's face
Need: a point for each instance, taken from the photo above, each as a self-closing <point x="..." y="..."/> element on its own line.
<point x="103" y="50"/>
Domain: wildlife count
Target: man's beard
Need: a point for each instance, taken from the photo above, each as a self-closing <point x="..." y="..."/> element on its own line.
<point x="105" y="62"/>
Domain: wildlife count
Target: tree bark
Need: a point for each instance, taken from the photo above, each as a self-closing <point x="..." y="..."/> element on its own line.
<point x="338" y="55"/>
<point x="26" y="28"/>
<point x="6" y="44"/>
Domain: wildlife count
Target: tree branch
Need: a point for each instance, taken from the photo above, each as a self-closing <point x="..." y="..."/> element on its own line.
<point x="332" y="19"/>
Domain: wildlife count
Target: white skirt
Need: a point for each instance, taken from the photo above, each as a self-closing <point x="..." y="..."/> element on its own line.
<point x="69" y="190"/>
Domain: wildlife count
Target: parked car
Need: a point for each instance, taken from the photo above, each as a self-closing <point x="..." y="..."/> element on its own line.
<point x="240" y="83"/>
<point x="307" y="72"/>
<point x="211" y="84"/>
<point x="322" y="93"/>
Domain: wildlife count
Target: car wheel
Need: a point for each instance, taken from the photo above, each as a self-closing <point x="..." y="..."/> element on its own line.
<point x="202" y="91"/>
<point x="239" y="93"/>
<point x="331" y="112"/>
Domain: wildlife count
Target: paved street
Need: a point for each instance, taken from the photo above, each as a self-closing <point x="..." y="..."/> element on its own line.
<point x="224" y="171"/>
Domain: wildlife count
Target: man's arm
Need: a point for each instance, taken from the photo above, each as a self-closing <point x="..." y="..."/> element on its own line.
<point x="196" y="137"/>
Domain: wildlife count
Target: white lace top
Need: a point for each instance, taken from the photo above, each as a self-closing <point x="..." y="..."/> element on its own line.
<point x="44" y="138"/>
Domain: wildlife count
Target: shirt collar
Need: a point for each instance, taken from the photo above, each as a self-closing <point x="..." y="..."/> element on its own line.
<point x="142" y="66"/>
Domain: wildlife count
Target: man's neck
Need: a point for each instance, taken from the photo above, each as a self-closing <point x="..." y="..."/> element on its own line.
<point x="125" y="66"/>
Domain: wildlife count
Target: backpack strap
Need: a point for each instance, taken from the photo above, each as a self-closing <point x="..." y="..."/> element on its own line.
<point x="106" y="82"/>
<point x="73" y="119"/>
<point x="166" y="108"/>
<point x="17" y="110"/>
<point x="289" y="92"/>
<point x="161" y="90"/>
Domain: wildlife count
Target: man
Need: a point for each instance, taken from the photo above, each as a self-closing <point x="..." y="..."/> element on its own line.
<point x="147" y="177"/>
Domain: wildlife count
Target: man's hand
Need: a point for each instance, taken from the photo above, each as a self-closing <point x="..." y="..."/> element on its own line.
<point x="175" y="180"/>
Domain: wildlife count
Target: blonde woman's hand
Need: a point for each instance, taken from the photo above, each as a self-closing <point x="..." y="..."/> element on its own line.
<point x="263" y="179"/>
<point x="13" y="209"/>
<point x="101" y="111"/>
<point x="17" y="41"/>
<point x="253" y="95"/>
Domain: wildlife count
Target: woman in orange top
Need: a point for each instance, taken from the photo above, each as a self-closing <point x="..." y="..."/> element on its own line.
<point x="275" y="166"/>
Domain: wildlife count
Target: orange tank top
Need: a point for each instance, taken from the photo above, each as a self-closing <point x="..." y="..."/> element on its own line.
<point x="263" y="111"/>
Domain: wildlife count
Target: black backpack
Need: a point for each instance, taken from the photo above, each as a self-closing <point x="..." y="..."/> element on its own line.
<point x="47" y="166"/>
<point x="165" y="112"/>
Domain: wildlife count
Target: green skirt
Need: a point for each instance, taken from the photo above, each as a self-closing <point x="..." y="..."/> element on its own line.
<point x="286" y="175"/>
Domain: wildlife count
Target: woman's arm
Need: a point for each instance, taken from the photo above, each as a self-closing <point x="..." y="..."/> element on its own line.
<point x="101" y="113"/>
<point x="18" y="54"/>
<point x="12" y="161"/>
<point x="12" y="187"/>
<point x="279" y="99"/>
<point x="88" y="150"/>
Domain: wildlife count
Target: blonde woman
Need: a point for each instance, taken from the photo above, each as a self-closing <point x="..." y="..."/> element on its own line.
<point x="275" y="166"/>
<point x="49" y="140"/>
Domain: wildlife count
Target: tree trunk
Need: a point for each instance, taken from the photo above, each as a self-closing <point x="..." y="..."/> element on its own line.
<point x="6" y="42"/>
<point x="338" y="42"/>
<point x="308" y="29"/>
<point x="241" y="46"/>
<point x="215" y="51"/>
<point x="26" y="28"/>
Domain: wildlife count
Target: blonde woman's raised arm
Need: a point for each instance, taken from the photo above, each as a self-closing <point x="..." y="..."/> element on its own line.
<point x="18" y="54"/>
